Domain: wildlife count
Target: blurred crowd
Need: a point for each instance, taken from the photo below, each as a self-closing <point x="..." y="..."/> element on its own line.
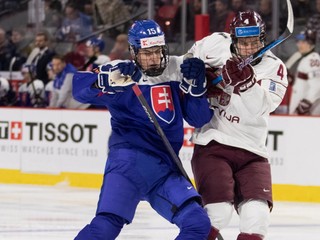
<point x="67" y="41"/>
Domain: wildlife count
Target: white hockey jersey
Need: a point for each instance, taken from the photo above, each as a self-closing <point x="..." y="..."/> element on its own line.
<point x="241" y="120"/>
<point x="307" y="82"/>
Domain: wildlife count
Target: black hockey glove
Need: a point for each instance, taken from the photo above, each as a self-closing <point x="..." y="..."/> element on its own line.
<point x="304" y="107"/>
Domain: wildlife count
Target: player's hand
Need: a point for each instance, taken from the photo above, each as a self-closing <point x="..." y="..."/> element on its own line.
<point x="194" y="81"/>
<point x="304" y="107"/>
<point x="240" y="79"/>
<point x="130" y="69"/>
<point x="117" y="78"/>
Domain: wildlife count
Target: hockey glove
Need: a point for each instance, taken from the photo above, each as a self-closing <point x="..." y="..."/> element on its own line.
<point x="130" y="69"/>
<point x="304" y="107"/>
<point x="240" y="79"/>
<point x="194" y="81"/>
<point x="118" y="78"/>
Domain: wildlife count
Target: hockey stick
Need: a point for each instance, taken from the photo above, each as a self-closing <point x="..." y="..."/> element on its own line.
<point x="165" y="140"/>
<point x="115" y="76"/>
<point x="153" y="119"/>
<point x="39" y="101"/>
<point x="284" y="36"/>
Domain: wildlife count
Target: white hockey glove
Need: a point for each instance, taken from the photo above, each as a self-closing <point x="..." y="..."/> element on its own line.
<point x="118" y="78"/>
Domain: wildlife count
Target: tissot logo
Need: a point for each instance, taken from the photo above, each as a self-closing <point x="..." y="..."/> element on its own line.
<point x="39" y="131"/>
<point x="4" y="130"/>
<point x="16" y="131"/>
<point x="11" y="130"/>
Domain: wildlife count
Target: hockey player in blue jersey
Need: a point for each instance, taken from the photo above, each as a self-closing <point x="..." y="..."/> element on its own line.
<point x="138" y="166"/>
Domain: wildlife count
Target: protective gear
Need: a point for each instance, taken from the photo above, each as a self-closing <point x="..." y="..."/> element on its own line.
<point x="254" y="217"/>
<point x="213" y="234"/>
<point x="117" y="78"/>
<point x="194" y="81"/>
<point x="245" y="236"/>
<point x="308" y="35"/>
<point x="29" y="68"/>
<point x="146" y="34"/>
<point x="240" y="79"/>
<point x="4" y="87"/>
<point x="103" y="226"/>
<point x="219" y="213"/>
<point x="192" y="227"/>
<point x="96" y="42"/>
<point x="304" y="107"/>
<point x="247" y="24"/>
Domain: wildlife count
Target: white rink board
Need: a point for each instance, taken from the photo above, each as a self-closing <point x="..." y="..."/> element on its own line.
<point x="54" y="141"/>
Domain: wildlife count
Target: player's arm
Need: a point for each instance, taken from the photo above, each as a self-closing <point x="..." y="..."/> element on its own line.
<point x="274" y="85"/>
<point x="65" y="90"/>
<point x="313" y="92"/>
<point x="258" y="95"/>
<point x="195" y="106"/>
<point x="104" y="82"/>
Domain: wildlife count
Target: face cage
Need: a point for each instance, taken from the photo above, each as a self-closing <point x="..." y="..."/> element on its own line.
<point x="153" y="72"/>
<point x="237" y="50"/>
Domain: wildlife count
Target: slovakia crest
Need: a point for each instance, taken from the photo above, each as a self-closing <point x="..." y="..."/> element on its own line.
<point x="162" y="103"/>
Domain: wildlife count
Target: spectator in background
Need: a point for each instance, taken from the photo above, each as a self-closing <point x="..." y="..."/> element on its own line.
<point x="21" y="43"/>
<point x="305" y="98"/>
<point x="238" y="5"/>
<point x="7" y="52"/>
<point x="314" y="21"/>
<point x="31" y="92"/>
<point x="22" y="48"/>
<point x="265" y="11"/>
<point x="7" y="95"/>
<point x="85" y="6"/>
<point x="75" y="25"/>
<point x="111" y="12"/>
<point x="95" y="57"/>
<point x="222" y="17"/>
<point x="48" y="89"/>
<point x="120" y="49"/>
<point x="62" y="85"/>
<point x="53" y="15"/>
<point x="40" y="56"/>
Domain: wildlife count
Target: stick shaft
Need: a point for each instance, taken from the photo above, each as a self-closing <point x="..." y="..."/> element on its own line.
<point x="165" y="140"/>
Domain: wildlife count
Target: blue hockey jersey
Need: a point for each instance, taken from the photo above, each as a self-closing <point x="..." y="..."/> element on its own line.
<point x="131" y="125"/>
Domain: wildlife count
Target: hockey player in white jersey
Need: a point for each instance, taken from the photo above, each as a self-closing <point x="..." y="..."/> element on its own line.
<point x="139" y="167"/>
<point x="31" y="92"/>
<point x="230" y="157"/>
<point x="305" y="98"/>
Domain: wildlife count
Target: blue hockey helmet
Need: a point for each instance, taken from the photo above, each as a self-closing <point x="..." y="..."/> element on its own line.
<point x="146" y="34"/>
<point x="96" y="42"/>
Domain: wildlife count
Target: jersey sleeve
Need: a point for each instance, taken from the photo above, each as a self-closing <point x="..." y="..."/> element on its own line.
<point x="196" y="110"/>
<point x="271" y="86"/>
<point x="311" y="67"/>
<point x="83" y="90"/>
